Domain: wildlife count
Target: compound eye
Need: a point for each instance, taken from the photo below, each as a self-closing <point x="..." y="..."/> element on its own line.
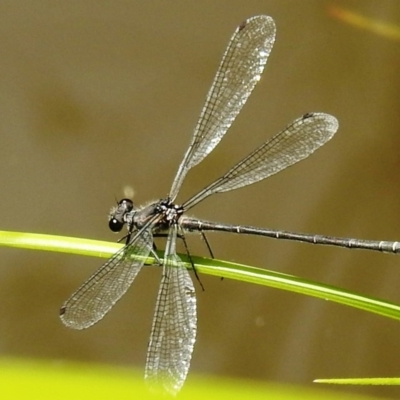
<point x="115" y="225"/>
<point x="127" y="204"/>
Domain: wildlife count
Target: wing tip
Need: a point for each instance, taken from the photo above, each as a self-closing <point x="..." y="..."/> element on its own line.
<point x="331" y="122"/>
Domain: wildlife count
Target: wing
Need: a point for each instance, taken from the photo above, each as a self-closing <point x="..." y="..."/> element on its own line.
<point x="296" y="142"/>
<point x="238" y="73"/>
<point x="105" y="287"/>
<point x="173" y="333"/>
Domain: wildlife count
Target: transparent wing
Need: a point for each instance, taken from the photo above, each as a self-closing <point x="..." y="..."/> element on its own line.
<point x="173" y="333"/>
<point x="238" y="73"/>
<point x="105" y="287"/>
<point x="296" y="142"/>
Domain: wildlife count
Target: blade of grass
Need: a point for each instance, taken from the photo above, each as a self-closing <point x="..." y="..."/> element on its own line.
<point x="361" y="381"/>
<point x="298" y="285"/>
<point x="208" y="266"/>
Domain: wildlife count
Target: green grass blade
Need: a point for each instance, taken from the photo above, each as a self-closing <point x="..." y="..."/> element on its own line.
<point x="298" y="285"/>
<point x="361" y="381"/>
<point x="211" y="267"/>
<point x="59" y="244"/>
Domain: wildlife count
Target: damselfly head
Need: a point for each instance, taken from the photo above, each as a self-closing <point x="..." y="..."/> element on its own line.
<point x="117" y="217"/>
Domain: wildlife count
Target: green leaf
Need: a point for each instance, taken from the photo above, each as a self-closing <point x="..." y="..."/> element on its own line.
<point x="208" y="266"/>
<point x="361" y="381"/>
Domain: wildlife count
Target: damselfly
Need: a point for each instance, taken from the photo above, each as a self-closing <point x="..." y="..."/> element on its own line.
<point x="173" y="332"/>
